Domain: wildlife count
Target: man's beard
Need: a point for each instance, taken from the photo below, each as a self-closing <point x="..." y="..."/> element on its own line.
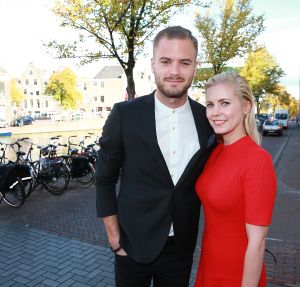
<point x="173" y="93"/>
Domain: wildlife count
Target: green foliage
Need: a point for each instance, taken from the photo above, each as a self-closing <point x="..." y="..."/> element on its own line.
<point x="281" y="99"/>
<point x="118" y="28"/>
<point x="203" y="74"/>
<point x="262" y="73"/>
<point x="232" y="35"/>
<point x="16" y="93"/>
<point x="62" y="86"/>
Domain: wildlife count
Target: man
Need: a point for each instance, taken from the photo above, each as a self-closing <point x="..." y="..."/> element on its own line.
<point x="158" y="145"/>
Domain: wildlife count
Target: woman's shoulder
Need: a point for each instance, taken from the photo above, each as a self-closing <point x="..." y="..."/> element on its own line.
<point x="257" y="152"/>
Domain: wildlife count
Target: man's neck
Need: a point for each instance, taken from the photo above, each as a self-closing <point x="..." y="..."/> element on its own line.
<point x="172" y="103"/>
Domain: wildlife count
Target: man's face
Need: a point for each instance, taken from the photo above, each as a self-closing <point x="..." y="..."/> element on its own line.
<point x="173" y="64"/>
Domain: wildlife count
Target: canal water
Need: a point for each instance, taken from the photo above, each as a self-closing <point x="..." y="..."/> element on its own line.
<point x="43" y="139"/>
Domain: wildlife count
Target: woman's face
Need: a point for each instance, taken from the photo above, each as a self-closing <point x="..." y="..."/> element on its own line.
<point x="226" y="111"/>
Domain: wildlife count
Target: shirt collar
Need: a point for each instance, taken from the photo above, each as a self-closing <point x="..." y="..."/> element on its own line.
<point x="163" y="108"/>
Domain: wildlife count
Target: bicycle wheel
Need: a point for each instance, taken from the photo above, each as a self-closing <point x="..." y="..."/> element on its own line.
<point x="15" y="196"/>
<point x="56" y="181"/>
<point x="87" y="179"/>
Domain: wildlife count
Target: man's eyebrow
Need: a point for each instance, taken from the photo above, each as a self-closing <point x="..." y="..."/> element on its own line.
<point x="181" y="60"/>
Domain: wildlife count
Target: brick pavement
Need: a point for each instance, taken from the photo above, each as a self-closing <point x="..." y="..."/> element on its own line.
<point x="58" y="241"/>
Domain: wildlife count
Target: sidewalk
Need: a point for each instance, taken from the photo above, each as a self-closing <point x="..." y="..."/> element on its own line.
<point x="58" y="241"/>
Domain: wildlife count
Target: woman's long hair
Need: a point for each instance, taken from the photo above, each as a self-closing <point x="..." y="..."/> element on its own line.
<point x="242" y="90"/>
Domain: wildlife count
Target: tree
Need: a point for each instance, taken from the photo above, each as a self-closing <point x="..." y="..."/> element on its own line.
<point x="203" y="74"/>
<point x="62" y="86"/>
<point x="119" y="29"/>
<point x="233" y="35"/>
<point x="16" y="93"/>
<point x="262" y="73"/>
<point x="281" y="99"/>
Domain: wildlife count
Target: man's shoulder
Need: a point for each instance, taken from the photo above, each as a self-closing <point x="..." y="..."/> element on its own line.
<point x="197" y="105"/>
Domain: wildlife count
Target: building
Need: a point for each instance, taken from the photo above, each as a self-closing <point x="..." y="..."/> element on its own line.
<point x="33" y="82"/>
<point x="5" y="110"/>
<point x="109" y="87"/>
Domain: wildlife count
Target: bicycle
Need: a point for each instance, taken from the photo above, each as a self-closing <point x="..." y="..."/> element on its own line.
<point x="80" y="165"/>
<point x="13" y="179"/>
<point x="47" y="171"/>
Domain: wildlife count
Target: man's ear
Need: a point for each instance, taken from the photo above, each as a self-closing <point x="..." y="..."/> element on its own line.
<point x="197" y="65"/>
<point x="152" y="65"/>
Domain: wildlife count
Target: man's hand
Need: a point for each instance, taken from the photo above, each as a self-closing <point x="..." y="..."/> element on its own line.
<point x="112" y="230"/>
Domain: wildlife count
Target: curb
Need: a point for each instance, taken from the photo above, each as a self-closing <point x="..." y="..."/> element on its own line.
<point x="279" y="153"/>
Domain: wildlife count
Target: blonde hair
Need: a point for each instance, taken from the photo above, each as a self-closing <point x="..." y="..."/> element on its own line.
<point x="242" y="90"/>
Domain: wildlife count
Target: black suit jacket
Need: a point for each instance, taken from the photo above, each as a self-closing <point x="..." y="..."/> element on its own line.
<point x="148" y="202"/>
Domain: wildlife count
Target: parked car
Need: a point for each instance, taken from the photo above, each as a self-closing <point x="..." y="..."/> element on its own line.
<point x="22" y="121"/>
<point x="272" y="127"/>
<point x="258" y="125"/>
<point x="262" y="117"/>
<point x="3" y="123"/>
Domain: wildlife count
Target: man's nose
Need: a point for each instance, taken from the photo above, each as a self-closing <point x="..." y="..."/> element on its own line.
<point x="174" y="69"/>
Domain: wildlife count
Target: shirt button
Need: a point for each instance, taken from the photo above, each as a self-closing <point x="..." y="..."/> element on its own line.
<point x="174" y="151"/>
<point x="173" y="128"/>
<point x="173" y="111"/>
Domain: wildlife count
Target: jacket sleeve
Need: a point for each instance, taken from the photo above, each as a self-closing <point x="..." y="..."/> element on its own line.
<point x="109" y="163"/>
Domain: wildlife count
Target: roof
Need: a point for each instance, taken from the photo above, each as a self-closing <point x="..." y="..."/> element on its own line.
<point x="110" y="72"/>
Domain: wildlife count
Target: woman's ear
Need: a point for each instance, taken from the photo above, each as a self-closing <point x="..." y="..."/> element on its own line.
<point x="247" y="107"/>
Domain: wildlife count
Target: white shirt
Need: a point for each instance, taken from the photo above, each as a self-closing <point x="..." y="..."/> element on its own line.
<point x="177" y="137"/>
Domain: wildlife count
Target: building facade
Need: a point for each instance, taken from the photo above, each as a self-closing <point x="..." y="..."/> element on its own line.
<point x="5" y="107"/>
<point x="33" y="82"/>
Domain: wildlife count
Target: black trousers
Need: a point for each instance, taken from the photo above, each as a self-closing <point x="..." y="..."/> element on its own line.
<point x="166" y="271"/>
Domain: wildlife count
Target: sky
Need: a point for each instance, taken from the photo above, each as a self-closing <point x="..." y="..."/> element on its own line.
<point x="26" y="25"/>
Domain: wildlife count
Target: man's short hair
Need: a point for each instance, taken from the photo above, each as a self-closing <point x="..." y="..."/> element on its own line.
<point x="175" y="32"/>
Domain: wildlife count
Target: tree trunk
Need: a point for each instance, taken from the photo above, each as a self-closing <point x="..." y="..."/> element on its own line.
<point x="130" y="83"/>
<point x="257" y="105"/>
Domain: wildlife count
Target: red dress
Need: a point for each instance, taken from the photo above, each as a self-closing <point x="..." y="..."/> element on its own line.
<point x="237" y="186"/>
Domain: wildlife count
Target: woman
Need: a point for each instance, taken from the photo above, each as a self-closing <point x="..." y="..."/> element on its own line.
<point x="237" y="189"/>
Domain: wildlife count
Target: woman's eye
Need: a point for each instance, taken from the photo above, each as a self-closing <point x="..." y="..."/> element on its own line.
<point x="209" y="105"/>
<point x="224" y="104"/>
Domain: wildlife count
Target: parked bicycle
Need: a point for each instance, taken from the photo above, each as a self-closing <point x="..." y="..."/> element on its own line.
<point x="13" y="179"/>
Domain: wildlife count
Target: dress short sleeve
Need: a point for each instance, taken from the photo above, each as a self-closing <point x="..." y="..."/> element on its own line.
<point x="259" y="189"/>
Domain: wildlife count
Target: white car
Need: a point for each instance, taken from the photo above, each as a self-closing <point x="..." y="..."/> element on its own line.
<point x="3" y="123"/>
<point x="272" y="127"/>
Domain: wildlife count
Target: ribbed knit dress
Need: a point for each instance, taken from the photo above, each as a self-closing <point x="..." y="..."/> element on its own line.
<point x="237" y="186"/>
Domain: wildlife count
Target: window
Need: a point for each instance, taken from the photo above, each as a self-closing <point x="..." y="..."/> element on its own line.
<point x="25" y="104"/>
<point x="46" y="104"/>
<point x="142" y="75"/>
<point x="31" y="93"/>
<point x="31" y="103"/>
<point x="35" y="82"/>
<point x="30" y="72"/>
<point x="95" y="99"/>
<point x="26" y="82"/>
<point x="102" y="99"/>
<point x="38" y="103"/>
<point x="45" y="83"/>
<point x="37" y="93"/>
<point x="95" y="83"/>
<point x="102" y="84"/>
<point x="84" y="87"/>
<point x="25" y="92"/>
